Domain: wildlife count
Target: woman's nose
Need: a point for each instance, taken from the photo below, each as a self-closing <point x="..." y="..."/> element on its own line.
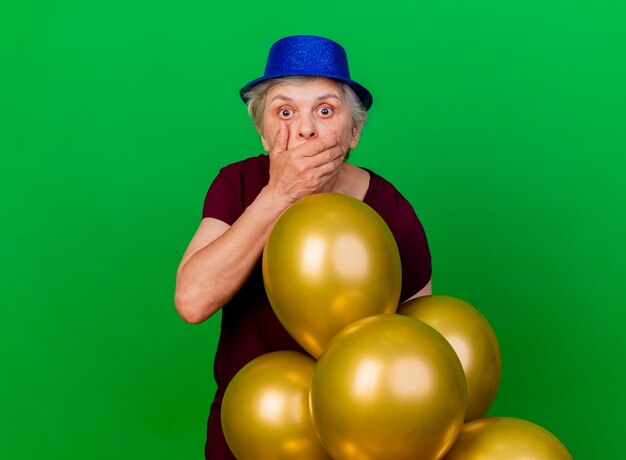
<point x="306" y="129"/>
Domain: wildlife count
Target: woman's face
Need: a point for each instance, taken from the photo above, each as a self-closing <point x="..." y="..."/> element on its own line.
<point x="309" y="110"/>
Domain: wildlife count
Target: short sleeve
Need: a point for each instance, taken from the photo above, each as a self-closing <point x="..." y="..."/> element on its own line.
<point x="408" y="231"/>
<point x="222" y="201"/>
<point x="414" y="253"/>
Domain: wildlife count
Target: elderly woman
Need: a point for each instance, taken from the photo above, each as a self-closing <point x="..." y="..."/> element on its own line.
<point x="309" y="114"/>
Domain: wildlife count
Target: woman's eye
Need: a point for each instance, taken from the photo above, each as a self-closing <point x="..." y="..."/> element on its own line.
<point x="326" y="111"/>
<point x="285" y="113"/>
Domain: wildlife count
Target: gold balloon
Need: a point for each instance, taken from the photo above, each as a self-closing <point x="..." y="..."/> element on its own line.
<point x="505" y="438"/>
<point x="388" y="387"/>
<point x="329" y="261"/>
<point x="265" y="411"/>
<point x="473" y="340"/>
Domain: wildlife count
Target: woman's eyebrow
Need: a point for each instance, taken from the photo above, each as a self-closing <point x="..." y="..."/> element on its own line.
<point x="281" y="96"/>
<point x="329" y="96"/>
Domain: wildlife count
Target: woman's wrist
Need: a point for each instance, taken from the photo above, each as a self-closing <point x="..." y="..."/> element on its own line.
<point x="274" y="202"/>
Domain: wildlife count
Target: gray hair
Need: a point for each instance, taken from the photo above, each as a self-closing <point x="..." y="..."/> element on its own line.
<point x="256" y="99"/>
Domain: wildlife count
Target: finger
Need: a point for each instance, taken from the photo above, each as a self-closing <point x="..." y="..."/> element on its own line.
<point x="334" y="154"/>
<point x="281" y="140"/>
<point x="316" y="146"/>
<point x="326" y="171"/>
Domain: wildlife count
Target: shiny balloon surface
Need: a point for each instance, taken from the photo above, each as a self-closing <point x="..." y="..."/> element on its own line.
<point x="505" y="438"/>
<point x="329" y="261"/>
<point x="473" y="340"/>
<point x="388" y="387"/>
<point x="265" y="411"/>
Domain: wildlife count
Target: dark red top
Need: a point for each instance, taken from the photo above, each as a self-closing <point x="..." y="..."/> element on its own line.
<point x="249" y="326"/>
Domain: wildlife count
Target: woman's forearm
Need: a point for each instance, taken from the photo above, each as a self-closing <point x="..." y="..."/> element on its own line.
<point x="211" y="276"/>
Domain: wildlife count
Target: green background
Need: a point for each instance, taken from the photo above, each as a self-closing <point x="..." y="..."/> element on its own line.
<point x="502" y="122"/>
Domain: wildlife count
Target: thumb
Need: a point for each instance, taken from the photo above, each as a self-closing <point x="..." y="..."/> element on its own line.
<point x="281" y="140"/>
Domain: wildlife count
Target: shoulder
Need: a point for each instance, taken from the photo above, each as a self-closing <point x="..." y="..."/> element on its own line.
<point x="395" y="210"/>
<point x="235" y="187"/>
<point x="258" y="165"/>
<point x="247" y="177"/>
<point x="383" y="196"/>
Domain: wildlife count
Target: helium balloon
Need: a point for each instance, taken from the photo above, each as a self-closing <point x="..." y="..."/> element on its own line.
<point x="329" y="261"/>
<point x="388" y="387"/>
<point x="473" y="340"/>
<point x="505" y="438"/>
<point x="265" y="411"/>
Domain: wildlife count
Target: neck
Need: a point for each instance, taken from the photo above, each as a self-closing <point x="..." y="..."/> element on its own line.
<point x="352" y="181"/>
